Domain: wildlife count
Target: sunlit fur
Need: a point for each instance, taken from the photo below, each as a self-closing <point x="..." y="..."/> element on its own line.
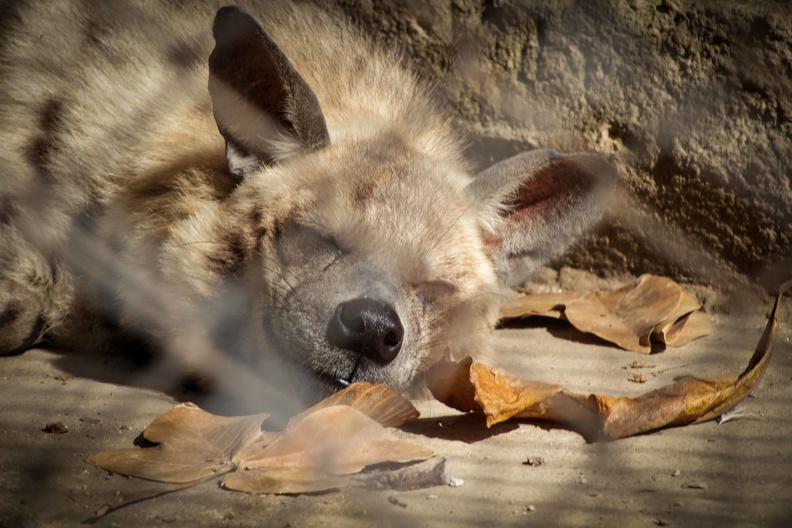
<point x="118" y="211"/>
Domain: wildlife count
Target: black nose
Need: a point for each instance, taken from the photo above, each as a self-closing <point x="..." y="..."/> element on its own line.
<point x="367" y="327"/>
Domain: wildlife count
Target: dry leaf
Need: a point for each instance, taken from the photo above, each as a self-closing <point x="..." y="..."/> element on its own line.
<point x="654" y="308"/>
<point x="501" y="396"/>
<point x="317" y="451"/>
<point x="192" y="444"/>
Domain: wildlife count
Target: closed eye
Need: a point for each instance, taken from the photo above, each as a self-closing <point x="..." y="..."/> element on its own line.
<point x="307" y="246"/>
<point x="436" y="289"/>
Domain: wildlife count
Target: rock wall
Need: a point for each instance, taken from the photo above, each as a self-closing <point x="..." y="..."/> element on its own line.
<point x="691" y="100"/>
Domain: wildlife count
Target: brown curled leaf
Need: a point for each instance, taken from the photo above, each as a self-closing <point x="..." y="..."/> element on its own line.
<point x="627" y="316"/>
<point x="503" y="396"/>
<point x="654" y="308"/>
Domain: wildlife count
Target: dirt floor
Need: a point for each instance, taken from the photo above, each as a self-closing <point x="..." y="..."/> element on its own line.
<point x="738" y="473"/>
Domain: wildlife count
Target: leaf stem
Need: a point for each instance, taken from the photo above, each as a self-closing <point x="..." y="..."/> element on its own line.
<point x="126" y="500"/>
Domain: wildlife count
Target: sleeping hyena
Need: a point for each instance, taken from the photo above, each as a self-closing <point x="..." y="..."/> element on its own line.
<point x="259" y="183"/>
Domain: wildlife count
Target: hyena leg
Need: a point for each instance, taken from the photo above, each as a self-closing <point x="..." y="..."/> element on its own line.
<point x="22" y="321"/>
<point x="34" y="295"/>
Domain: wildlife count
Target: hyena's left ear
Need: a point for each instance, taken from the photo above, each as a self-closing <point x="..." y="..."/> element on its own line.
<point x="535" y="205"/>
<point x="263" y="107"/>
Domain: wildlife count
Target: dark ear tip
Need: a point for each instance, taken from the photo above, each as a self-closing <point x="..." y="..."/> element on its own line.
<point x="230" y="20"/>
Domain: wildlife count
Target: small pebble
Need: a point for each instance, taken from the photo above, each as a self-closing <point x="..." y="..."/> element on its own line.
<point x="530" y="508"/>
<point x="533" y="461"/>
<point x="56" y="428"/>
<point x="455" y="482"/>
<point x="676" y="473"/>
<point x="638" y="377"/>
<point x="397" y="502"/>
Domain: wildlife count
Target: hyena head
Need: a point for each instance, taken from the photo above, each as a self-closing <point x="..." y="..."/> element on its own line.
<point x="374" y="256"/>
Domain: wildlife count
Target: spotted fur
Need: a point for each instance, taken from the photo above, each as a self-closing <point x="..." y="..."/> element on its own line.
<point x="217" y="182"/>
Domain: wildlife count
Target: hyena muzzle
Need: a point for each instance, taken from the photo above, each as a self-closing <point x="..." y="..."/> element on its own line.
<point x="272" y="188"/>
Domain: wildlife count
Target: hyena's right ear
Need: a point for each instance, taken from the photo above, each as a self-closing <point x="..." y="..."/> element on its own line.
<point x="263" y="107"/>
<point x="535" y="205"/>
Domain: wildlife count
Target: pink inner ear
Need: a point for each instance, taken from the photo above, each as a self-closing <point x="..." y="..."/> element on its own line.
<point x="550" y="193"/>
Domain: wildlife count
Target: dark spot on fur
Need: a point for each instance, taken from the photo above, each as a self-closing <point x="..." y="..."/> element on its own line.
<point x="40" y="149"/>
<point x="51" y="116"/>
<point x="9" y="15"/>
<point x="282" y="225"/>
<point x="55" y="272"/>
<point x="154" y="189"/>
<point x="184" y="54"/>
<point x="8" y="210"/>
<point x="231" y="256"/>
<point x="256" y="216"/>
<point x="10" y="313"/>
<point x="259" y="231"/>
<point x="38" y="153"/>
<point x="362" y="193"/>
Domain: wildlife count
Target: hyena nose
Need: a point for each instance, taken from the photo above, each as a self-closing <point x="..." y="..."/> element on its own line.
<point x="368" y="327"/>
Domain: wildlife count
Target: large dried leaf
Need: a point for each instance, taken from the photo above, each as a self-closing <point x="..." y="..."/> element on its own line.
<point x="317" y="449"/>
<point x="655" y="308"/>
<point x="192" y="444"/>
<point x="501" y="396"/>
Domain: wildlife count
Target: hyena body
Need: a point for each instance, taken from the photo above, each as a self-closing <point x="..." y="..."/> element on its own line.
<point x="288" y="193"/>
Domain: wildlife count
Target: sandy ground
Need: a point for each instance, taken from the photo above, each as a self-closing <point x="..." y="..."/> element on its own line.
<point x="737" y="473"/>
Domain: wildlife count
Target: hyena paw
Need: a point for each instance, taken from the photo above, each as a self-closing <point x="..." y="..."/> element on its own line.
<point x="21" y="319"/>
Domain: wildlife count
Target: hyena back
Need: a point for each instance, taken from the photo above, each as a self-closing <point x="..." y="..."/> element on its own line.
<point x="271" y="184"/>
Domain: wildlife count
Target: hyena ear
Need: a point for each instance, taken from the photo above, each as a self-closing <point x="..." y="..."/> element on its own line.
<point x="263" y="107"/>
<point x="535" y="205"/>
